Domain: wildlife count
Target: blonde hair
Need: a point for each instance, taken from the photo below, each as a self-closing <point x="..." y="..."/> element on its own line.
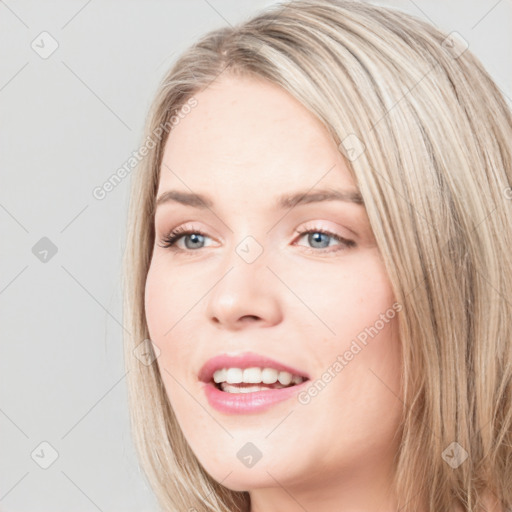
<point x="426" y="134"/>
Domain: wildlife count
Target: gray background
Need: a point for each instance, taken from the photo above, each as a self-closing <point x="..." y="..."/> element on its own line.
<point x="68" y="122"/>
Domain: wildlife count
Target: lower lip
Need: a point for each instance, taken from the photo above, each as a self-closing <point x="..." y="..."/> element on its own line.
<point x="244" y="403"/>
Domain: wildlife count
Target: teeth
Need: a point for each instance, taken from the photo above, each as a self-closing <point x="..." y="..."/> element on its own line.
<point x="269" y="376"/>
<point x="246" y="389"/>
<point x="255" y="376"/>
<point x="234" y="375"/>
<point x="285" y="378"/>
<point x="252" y="375"/>
<point x="297" y="380"/>
<point x="219" y="376"/>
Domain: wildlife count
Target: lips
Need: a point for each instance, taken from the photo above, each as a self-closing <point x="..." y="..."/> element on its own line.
<point x="246" y="360"/>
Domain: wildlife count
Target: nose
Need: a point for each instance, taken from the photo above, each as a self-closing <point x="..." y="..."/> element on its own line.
<point x="246" y="295"/>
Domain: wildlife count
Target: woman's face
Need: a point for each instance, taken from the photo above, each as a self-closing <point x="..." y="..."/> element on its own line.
<point x="257" y="276"/>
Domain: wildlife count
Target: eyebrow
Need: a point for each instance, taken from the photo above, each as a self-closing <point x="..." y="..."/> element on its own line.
<point x="285" y="201"/>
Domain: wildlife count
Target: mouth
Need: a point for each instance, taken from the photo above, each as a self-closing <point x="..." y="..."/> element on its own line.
<point x="235" y="398"/>
<point x="247" y="387"/>
<point x="251" y="380"/>
<point x="249" y="373"/>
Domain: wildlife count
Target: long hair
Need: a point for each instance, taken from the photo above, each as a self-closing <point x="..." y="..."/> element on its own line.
<point x="427" y="137"/>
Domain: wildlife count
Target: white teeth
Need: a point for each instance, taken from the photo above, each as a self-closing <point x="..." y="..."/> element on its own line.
<point x="219" y="376"/>
<point x="285" y="378"/>
<point x="255" y="375"/>
<point x="252" y="375"/>
<point x="228" y="388"/>
<point x="269" y="376"/>
<point x="234" y="375"/>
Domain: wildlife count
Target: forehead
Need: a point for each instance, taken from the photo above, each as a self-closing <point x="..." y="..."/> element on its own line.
<point x="249" y="133"/>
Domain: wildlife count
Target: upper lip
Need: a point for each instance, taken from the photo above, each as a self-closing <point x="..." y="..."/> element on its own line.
<point x="245" y="360"/>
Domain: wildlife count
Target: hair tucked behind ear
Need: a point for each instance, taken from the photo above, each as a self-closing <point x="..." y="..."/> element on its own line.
<point x="427" y="136"/>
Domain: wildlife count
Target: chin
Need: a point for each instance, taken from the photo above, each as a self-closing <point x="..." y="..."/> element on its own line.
<point x="237" y="477"/>
<point x="243" y="479"/>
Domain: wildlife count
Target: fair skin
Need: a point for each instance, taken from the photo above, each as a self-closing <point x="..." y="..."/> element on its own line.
<point x="302" y="303"/>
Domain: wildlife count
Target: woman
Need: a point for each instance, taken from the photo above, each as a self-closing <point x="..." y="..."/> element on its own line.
<point x="318" y="270"/>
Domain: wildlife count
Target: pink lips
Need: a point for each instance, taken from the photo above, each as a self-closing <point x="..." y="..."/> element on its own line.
<point x="243" y="403"/>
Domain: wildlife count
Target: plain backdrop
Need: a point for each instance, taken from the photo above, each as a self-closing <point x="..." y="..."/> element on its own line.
<point x="76" y="80"/>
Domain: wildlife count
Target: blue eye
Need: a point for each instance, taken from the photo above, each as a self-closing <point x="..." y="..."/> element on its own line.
<point x="318" y="239"/>
<point x="196" y="237"/>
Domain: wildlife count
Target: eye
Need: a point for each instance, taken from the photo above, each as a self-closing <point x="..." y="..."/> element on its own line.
<point x="196" y="237"/>
<point x="320" y="239"/>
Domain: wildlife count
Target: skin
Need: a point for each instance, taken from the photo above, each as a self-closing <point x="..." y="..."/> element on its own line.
<point x="300" y="302"/>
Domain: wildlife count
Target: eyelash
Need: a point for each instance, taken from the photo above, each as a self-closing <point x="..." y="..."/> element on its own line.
<point x="169" y="240"/>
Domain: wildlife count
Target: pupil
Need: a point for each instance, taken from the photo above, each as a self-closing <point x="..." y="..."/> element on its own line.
<point x="195" y="238"/>
<point x="314" y="238"/>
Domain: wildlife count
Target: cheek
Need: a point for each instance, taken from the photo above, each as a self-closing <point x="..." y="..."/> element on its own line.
<point x="346" y="298"/>
<point x="169" y="301"/>
<point x="166" y="299"/>
<point x="354" y="328"/>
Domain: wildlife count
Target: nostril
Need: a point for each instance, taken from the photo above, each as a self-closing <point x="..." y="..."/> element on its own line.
<point x="249" y="318"/>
